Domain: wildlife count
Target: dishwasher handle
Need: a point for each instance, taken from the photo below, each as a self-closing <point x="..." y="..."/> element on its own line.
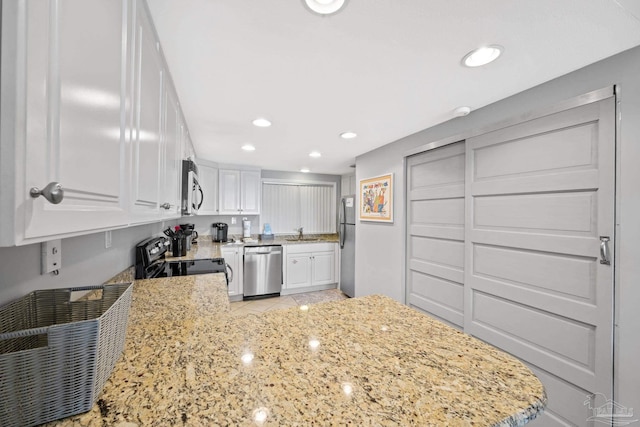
<point x="263" y="250"/>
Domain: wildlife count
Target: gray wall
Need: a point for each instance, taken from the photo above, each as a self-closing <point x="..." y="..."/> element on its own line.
<point x="85" y="261"/>
<point x="379" y="248"/>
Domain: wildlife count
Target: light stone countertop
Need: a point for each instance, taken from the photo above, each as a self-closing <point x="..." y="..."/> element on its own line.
<point x="183" y="365"/>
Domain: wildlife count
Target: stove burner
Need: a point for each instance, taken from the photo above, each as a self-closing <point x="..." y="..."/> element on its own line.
<point x="151" y="263"/>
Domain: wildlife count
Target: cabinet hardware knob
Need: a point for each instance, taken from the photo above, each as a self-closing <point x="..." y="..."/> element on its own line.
<point x="53" y="192"/>
<point x="166" y="205"/>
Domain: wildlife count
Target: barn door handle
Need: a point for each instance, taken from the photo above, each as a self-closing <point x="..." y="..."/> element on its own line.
<point x="605" y="255"/>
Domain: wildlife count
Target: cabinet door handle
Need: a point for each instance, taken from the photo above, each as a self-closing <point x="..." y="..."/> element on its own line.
<point x="166" y="206"/>
<point x="231" y="270"/>
<point x="53" y="192"/>
<point x="605" y="255"/>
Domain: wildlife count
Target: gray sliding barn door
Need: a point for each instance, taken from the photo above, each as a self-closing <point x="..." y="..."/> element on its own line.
<point x="540" y="194"/>
<point x="435" y="232"/>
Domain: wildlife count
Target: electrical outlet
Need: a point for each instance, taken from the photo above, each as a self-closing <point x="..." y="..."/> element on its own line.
<point x="107" y="239"/>
<point x="233" y="220"/>
<point x="51" y="256"/>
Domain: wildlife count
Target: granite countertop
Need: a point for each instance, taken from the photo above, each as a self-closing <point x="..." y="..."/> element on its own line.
<point x="361" y="361"/>
<point x="206" y="248"/>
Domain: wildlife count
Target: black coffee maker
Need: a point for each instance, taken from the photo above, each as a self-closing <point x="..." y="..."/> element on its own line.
<point x="190" y="234"/>
<point x="219" y="231"/>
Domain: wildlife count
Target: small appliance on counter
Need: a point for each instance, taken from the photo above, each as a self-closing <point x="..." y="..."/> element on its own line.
<point x="219" y="232"/>
<point x="246" y="228"/>
<point x="151" y="263"/>
<point x="190" y="234"/>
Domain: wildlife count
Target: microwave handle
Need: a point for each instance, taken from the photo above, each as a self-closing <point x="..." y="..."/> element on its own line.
<point x="201" y="197"/>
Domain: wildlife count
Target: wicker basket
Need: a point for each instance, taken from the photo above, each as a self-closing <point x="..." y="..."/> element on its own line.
<point x="56" y="355"/>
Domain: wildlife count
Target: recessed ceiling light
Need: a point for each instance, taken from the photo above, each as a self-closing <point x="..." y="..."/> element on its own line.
<point x="461" y="111"/>
<point x="262" y="122"/>
<point x="324" y="7"/>
<point x="348" y="135"/>
<point x="482" y="56"/>
<point x="315" y="154"/>
<point x="304" y="170"/>
<point x="248" y="147"/>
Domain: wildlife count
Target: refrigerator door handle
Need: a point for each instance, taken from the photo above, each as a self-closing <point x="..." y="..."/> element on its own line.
<point x="343" y="220"/>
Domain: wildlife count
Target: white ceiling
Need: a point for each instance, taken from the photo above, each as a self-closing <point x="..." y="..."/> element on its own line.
<point x="382" y="68"/>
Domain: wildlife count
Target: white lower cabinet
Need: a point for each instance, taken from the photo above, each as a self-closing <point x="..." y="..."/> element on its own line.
<point x="298" y="270"/>
<point x="309" y="265"/>
<point x="233" y="257"/>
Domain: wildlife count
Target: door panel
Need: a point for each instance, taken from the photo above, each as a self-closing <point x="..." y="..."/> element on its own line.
<point x="561" y="213"/>
<point x="435" y="227"/>
<point x="571" y="277"/>
<point x="562" y="409"/>
<point x="539" y="196"/>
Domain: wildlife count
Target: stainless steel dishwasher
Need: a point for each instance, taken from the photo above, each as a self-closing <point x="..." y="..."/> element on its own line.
<point x="262" y="271"/>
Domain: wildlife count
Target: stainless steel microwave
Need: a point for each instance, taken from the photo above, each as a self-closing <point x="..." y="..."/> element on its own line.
<point x="192" y="195"/>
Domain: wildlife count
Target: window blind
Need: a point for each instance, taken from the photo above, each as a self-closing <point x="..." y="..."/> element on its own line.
<point x="287" y="206"/>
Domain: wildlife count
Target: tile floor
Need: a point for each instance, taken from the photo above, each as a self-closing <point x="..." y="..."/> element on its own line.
<point x="261" y="305"/>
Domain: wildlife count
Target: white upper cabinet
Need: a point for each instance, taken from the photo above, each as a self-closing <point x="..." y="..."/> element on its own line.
<point x="239" y="192"/>
<point x="348" y="185"/>
<point x="157" y="131"/>
<point x="208" y="179"/>
<point x="250" y="192"/>
<point x="146" y="144"/>
<point x="172" y="150"/>
<point x="87" y="102"/>
<point x="64" y="119"/>
<point x="229" y="192"/>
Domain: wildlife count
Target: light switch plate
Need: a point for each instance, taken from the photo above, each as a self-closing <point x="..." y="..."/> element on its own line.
<point x="51" y="256"/>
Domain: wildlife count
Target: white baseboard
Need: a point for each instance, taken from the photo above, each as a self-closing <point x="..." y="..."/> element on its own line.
<point x="308" y="289"/>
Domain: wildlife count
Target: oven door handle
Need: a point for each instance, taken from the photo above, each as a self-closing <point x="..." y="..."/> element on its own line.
<point x="231" y="270"/>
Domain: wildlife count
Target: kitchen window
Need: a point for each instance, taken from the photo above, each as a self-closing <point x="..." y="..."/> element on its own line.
<point x="287" y="206"/>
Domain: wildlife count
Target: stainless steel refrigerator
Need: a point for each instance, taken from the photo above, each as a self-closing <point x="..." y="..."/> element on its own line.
<point x="347" y="232"/>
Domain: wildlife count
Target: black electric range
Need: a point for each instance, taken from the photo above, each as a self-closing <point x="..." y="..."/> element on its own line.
<point x="151" y="263"/>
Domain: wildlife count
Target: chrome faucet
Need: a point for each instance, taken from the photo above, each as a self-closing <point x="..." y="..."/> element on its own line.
<point x="299" y="230"/>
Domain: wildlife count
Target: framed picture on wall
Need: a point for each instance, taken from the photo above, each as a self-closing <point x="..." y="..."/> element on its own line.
<point x="376" y="199"/>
